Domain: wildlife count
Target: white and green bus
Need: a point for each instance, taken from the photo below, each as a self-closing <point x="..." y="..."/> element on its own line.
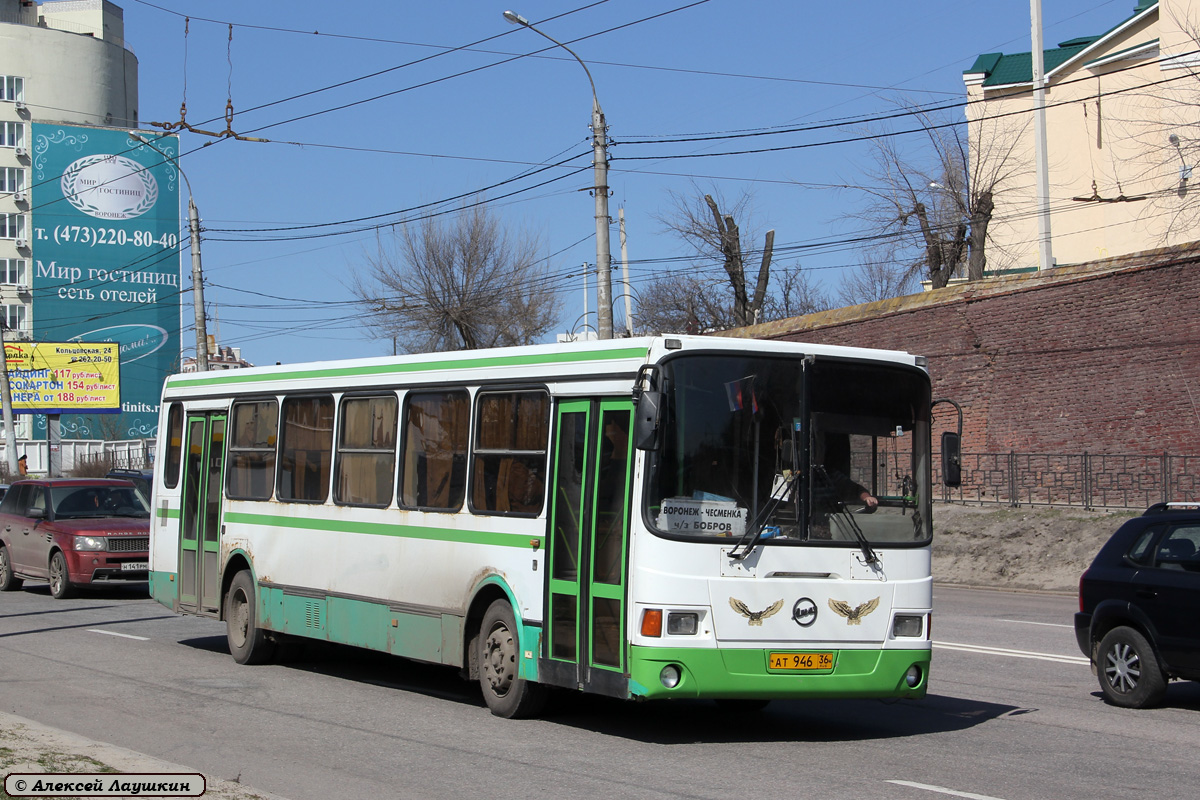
<point x="671" y="517"/>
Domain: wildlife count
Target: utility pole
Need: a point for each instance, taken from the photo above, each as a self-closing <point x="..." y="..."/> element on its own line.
<point x="197" y="276"/>
<point x="1045" y="257"/>
<point x="604" y="320"/>
<point x="625" y="275"/>
<point x="197" y="284"/>
<point x="10" y="432"/>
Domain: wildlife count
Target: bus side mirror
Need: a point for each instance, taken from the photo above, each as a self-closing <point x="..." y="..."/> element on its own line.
<point x="646" y="419"/>
<point x="951" y="459"/>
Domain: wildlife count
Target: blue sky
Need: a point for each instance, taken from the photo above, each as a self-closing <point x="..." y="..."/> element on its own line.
<point x="666" y="68"/>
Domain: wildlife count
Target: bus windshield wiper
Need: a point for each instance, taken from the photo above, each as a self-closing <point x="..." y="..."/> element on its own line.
<point x="839" y="509"/>
<point x="750" y="539"/>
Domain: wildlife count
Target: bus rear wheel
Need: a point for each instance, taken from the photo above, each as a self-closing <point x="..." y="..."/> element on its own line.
<point x="505" y="692"/>
<point x="248" y="643"/>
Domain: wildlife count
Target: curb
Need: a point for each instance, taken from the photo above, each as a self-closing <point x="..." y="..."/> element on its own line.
<point x="120" y="759"/>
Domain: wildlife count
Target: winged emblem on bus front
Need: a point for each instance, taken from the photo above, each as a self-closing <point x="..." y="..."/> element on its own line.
<point x="853" y="615"/>
<point x="755" y="617"/>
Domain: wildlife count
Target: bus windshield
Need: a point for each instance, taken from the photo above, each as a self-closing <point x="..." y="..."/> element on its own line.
<point x="834" y="452"/>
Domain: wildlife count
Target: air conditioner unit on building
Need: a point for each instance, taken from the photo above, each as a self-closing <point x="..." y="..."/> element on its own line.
<point x="20" y="244"/>
<point x="18" y="197"/>
<point x="20" y="104"/>
<point x="21" y="151"/>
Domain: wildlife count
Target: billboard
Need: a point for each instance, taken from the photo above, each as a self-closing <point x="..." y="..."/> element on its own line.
<point x="105" y="261"/>
<point x="64" y="377"/>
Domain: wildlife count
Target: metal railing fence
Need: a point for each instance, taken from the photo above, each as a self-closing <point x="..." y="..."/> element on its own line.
<point x="1084" y="480"/>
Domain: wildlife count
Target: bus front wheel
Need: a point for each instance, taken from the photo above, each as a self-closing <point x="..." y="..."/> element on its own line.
<point x="506" y="694"/>
<point x="248" y="643"/>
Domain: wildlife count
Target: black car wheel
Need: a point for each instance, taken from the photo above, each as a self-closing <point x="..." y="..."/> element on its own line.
<point x="1128" y="670"/>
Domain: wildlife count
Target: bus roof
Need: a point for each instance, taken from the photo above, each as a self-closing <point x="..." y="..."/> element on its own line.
<point x="576" y="360"/>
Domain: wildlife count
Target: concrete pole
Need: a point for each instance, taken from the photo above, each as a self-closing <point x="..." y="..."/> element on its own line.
<point x="604" y="321"/>
<point x="625" y="275"/>
<point x="10" y="430"/>
<point x="197" y="286"/>
<point x="586" y="293"/>
<point x="1045" y="256"/>
<point x="604" y="303"/>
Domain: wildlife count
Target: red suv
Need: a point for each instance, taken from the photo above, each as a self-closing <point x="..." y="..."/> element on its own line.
<point x="73" y="532"/>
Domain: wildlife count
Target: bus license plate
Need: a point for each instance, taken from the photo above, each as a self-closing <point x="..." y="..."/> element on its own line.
<point x="791" y="661"/>
<point x="135" y="566"/>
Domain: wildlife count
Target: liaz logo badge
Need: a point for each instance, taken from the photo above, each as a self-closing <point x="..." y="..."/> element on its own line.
<point x="804" y="612"/>
<point x="853" y="615"/>
<point x="109" y="187"/>
<point x="755" y="617"/>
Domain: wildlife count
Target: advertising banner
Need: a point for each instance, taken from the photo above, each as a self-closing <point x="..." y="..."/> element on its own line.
<point x="105" y="261"/>
<point x="64" y="377"/>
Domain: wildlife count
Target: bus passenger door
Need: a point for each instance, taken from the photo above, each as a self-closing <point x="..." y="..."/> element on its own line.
<point x="200" y="525"/>
<point x="589" y="542"/>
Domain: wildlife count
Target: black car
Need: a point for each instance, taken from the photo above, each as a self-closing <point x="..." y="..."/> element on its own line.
<point x="1139" y="606"/>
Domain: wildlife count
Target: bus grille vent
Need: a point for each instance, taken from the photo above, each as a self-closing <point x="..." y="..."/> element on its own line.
<point x="312" y="615"/>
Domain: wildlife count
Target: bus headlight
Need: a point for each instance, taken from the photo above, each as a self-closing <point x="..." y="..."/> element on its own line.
<point x="670" y="676"/>
<point x="906" y="625"/>
<point x="683" y="623"/>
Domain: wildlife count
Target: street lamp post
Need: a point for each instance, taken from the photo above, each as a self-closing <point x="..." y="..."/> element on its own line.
<point x="197" y="279"/>
<point x="604" y="318"/>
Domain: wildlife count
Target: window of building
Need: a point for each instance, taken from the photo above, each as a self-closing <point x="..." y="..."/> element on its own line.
<point x="14" y="317"/>
<point x="12" y="179"/>
<point x="174" y="445"/>
<point x="306" y="449"/>
<point x="12" y="88"/>
<point x="509" y="473"/>
<point x="252" y="450"/>
<point x="433" y="471"/>
<point x="12" y="271"/>
<point x="12" y="226"/>
<point x="12" y="134"/>
<point x="366" y="460"/>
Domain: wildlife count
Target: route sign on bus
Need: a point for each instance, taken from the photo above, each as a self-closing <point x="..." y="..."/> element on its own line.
<point x="64" y="377"/>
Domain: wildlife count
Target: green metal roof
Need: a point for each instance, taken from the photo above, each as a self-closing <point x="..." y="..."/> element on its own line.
<point x="1002" y="69"/>
<point x="1018" y="67"/>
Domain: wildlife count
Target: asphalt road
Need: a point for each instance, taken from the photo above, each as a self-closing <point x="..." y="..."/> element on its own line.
<point x="1014" y="714"/>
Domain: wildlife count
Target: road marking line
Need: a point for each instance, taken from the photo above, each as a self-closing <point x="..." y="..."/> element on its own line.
<point x="1001" y="651"/>
<point x="122" y="635"/>
<point x="1030" y="622"/>
<point x="944" y="790"/>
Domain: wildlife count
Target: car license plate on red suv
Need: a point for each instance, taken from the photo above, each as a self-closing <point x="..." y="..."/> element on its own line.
<point x="135" y="566"/>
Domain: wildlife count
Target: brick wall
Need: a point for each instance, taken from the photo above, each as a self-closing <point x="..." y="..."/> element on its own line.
<point x="1101" y="357"/>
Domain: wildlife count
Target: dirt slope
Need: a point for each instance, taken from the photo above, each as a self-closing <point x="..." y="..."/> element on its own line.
<point x="1018" y="548"/>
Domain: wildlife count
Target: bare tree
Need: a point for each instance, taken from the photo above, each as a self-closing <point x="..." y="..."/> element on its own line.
<point x="877" y="277"/>
<point x="934" y="203"/>
<point x="675" y="303"/>
<point x="715" y="234"/>
<point x="1152" y="133"/>
<point x="457" y="284"/>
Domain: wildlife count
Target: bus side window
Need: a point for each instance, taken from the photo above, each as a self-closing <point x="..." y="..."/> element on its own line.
<point x="251" y="460"/>
<point x="510" y="453"/>
<point x="366" y="451"/>
<point x="306" y="449"/>
<point x="174" y="445"/>
<point x="433" y="470"/>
